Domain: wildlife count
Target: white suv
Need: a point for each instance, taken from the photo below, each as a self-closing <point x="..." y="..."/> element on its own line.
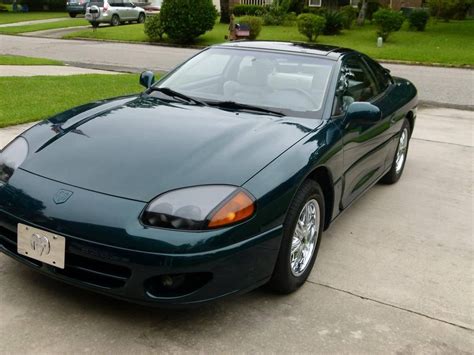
<point x="114" y="12"/>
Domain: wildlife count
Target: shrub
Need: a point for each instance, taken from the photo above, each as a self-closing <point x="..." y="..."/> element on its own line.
<point x="250" y="10"/>
<point x="274" y="15"/>
<point x="349" y="14"/>
<point x="38" y="5"/>
<point x="334" y="22"/>
<point x="387" y="21"/>
<point x="313" y="10"/>
<point x="154" y="28"/>
<point x="297" y="6"/>
<point x="255" y="23"/>
<point x="185" y="20"/>
<point x="310" y="25"/>
<point x="444" y="9"/>
<point x="418" y="19"/>
<point x="450" y="9"/>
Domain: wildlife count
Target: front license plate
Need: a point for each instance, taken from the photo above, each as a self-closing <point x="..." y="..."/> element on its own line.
<point x="40" y="245"/>
<point x="88" y="17"/>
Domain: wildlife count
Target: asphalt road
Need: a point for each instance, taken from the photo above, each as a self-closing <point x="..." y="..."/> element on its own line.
<point x="441" y="86"/>
<point x="394" y="275"/>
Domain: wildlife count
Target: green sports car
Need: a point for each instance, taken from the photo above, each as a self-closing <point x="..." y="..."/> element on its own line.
<point x="217" y="179"/>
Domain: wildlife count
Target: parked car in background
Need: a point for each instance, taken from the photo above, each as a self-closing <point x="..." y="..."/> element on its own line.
<point x="115" y="12"/>
<point x="76" y="7"/>
<point x="153" y="8"/>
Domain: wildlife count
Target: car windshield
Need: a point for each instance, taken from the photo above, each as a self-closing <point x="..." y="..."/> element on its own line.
<point x="96" y="3"/>
<point x="292" y="84"/>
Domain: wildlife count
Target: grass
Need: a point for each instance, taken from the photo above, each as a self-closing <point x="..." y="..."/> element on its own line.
<point x="442" y="43"/>
<point x="12" y="17"/>
<point x="23" y="99"/>
<point x="19" y="60"/>
<point x="44" y="26"/>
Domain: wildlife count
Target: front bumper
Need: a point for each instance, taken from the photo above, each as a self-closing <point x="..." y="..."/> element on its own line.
<point x="109" y="251"/>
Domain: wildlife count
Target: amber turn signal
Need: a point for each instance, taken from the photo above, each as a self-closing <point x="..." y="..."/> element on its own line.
<point x="238" y="208"/>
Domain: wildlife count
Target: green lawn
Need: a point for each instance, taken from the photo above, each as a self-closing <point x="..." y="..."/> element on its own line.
<point x="11" y="17"/>
<point x="444" y="43"/>
<point x="23" y="99"/>
<point x="19" y="60"/>
<point x="45" y="26"/>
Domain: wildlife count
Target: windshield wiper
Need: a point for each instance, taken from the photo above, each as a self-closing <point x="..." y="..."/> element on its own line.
<point x="175" y="94"/>
<point x="232" y="105"/>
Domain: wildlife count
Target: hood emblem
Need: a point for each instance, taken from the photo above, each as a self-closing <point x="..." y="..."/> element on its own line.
<point x="62" y="196"/>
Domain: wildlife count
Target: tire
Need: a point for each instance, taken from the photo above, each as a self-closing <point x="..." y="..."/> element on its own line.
<point x="115" y="21"/>
<point x="291" y="272"/>
<point x="400" y="158"/>
<point x="141" y="18"/>
<point x="72" y="15"/>
<point x="95" y="24"/>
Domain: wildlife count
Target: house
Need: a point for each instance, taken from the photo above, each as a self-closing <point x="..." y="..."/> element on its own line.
<point x="393" y="4"/>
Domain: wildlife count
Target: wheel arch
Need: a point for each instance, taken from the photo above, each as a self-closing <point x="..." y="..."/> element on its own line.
<point x="322" y="175"/>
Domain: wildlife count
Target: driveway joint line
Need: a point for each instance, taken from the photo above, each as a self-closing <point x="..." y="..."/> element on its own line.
<point x="450" y="143"/>
<point x="391" y="305"/>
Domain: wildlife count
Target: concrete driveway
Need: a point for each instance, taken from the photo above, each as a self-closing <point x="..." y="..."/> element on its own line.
<point x="394" y="275"/>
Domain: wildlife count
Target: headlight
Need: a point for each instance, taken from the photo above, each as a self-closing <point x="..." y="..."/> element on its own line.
<point x="199" y="208"/>
<point x="12" y="157"/>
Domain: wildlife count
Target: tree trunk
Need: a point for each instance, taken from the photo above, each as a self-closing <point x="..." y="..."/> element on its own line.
<point x="362" y="13"/>
<point x="225" y="11"/>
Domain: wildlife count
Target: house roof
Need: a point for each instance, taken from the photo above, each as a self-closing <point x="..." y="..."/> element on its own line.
<point x="294" y="47"/>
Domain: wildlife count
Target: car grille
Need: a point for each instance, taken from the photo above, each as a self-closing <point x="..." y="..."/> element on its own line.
<point x="78" y="267"/>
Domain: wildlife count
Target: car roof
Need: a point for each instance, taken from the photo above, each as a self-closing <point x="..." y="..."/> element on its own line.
<point x="321" y="50"/>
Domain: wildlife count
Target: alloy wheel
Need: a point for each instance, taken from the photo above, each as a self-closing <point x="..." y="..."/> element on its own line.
<point x="305" y="237"/>
<point x="401" y="151"/>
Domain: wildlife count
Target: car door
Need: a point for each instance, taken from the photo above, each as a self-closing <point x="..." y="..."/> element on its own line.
<point x="118" y="9"/>
<point x="130" y="9"/>
<point x="388" y="102"/>
<point x="365" y="143"/>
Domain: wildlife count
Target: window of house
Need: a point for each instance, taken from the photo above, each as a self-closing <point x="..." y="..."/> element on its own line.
<point x="315" y="3"/>
<point x="354" y="3"/>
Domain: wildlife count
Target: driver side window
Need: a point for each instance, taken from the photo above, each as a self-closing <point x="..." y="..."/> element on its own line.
<point x="355" y="83"/>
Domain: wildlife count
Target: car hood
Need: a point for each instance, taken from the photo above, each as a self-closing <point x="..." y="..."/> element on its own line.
<point x="141" y="147"/>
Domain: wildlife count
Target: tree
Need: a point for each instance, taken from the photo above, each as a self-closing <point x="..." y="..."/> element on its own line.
<point x="225" y="11"/>
<point x="362" y="13"/>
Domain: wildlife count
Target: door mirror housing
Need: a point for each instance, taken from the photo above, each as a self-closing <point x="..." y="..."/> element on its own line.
<point x="362" y="113"/>
<point x="147" y="79"/>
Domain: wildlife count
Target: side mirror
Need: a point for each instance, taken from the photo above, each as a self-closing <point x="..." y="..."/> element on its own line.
<point x="362" y="113"/>
<point x="147" y="79"/>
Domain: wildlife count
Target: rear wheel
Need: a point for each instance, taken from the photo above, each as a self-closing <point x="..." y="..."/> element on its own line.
<point x="115" y="20"/>
<point x="302" y="233"/>
<point x="398" y="164"/>
<point x="72" y="15"/>
<point x="141" y="18"/>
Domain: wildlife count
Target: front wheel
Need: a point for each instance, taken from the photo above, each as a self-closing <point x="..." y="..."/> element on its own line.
<point x="72" y="15"/>
<point x="141" y="18"/>
<point x="302" y="232"/>
<point x="399" y="161"/>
